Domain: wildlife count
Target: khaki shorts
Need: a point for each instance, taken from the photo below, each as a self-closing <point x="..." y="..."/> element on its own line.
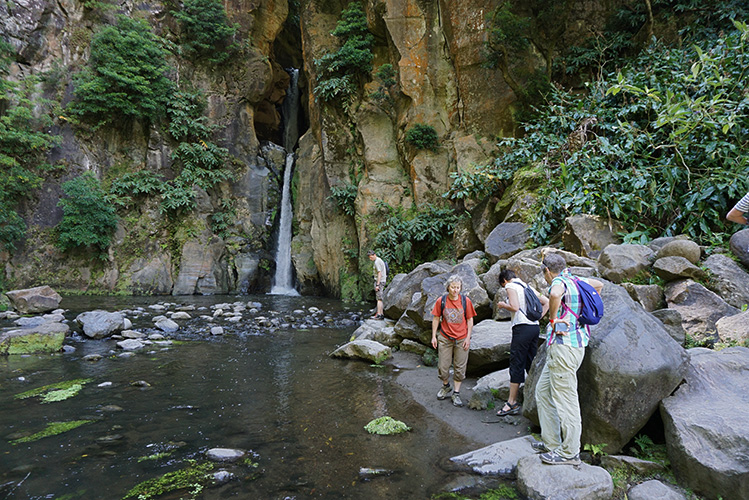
<point x="451" y="353"/>
<point x="378" y="292"/>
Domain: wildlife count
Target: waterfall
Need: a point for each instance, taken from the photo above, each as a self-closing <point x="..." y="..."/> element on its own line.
<point x="283" y="280"/>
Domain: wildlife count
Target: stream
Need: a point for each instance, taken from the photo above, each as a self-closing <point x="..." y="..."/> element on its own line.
<point x="274" y="392"/>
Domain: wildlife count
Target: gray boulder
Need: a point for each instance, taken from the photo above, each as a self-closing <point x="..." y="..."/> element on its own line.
<point x="654" y="490"/>
<point x="728" y="280"/>
<point x="40" y="299"/>
<point x="490" y="279"/>
<point x="676" y="268"/>
<point x="630" y="365"/>
<point x="411" y="346"/>
<point x="375" y="330"/>
<point x="131" y="344"/>
<point x="538" y="481"/>
<point x="407" y="328"/>
<point x="496" y="459"/>
<point x="588" y="235"/>
<point x="706" y="425"/>
<point x="631" y="465"/>
<point x="649" y="296"/>
<point x="622" y="262"/>
<point x="100" y="324"/>
<point x="739" y="244"/>
<point x="671" y="319"/>
<point x="507" y="239"/>
<point x="733" y="328"/>
<point x="681" y="247"/>
<point x="490" y="346"/>
<point x="45" y="338"/>
<point x="487" y="386"/>
<point x="700" y="308"/>
<point x="167" y="325"/>
<point x="399" y="292"/>
<point x="368" y="350"/>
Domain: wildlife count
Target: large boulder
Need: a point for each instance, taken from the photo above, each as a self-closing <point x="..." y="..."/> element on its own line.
<point x="671" y="319"/>
<point x="733" y="328"/>
<point x="399" y="293"/>
<point x="728" y="279"/>
<point x="537" y="480"/>
<point x="654" y="489"/>
<point x="623" y="262"/>
<point x="44" y="338"/>
<point x="630" y="365"/>
<point x="700" y="308"/>
<point x="490" y="346"/>
<point x="100" y="324"/>
<point x="487" y="386"/>
<point x="368" y="350"/>
<point x="34" y="300"/>
<point x="496" y="459"/>
<point x="649" y="296"/>
<point x="739" y="244"/>
<point x="588" y="235"/>
<point x="681" y="248"/>
<point x="706" y="425"/>
<point x="507" y="239"/>
<point x="676" y="267"/>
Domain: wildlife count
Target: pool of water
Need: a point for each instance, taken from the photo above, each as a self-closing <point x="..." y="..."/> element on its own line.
<point x="276" y="393"/>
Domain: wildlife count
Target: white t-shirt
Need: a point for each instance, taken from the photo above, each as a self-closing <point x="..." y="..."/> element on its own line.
<point x="518" y="317"/>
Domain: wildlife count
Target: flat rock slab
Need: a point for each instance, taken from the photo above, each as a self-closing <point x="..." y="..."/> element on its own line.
<point x="539" y="481"/>
<point x="499" y="459"/>
<point x="44" y="338"/>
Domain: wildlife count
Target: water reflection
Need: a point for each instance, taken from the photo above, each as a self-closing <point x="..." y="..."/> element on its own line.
<point x="276" y="393"/>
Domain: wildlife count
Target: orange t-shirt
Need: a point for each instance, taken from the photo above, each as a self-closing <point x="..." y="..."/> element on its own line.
<point x="454" y="323"/>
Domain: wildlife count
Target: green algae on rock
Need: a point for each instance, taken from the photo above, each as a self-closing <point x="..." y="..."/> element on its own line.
<point x="52" y="429"/>
<point x="59" y="391"/>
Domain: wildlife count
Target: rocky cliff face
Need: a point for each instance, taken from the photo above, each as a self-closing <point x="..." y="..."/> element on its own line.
<point x="435" y="48"/>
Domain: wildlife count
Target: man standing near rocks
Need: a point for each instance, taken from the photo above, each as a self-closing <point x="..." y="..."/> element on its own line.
<point x="556" y="390"/>
<point x="738" y="213"/>
<point x="380" y="276"/>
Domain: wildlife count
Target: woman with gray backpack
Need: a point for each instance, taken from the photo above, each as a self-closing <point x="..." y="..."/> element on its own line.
<point x="527" y="307"/>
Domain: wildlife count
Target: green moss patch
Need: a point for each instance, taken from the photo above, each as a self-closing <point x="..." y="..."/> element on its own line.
<point x="386" y="426"/>
<point x="52" y="429"/>
<point x="56" y="392"/>
<point x="192" y="478"/>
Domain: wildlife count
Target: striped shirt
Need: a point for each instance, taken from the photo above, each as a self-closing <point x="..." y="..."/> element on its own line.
<point x="578" y="335"/>
<point x="743" y="204"/>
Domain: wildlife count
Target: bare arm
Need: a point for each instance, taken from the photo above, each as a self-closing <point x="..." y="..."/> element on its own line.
<point x="435" y="326"/>
<point x="512" y="304"/>
<point x="737" y="217"/>
<point x="467" y="341"/>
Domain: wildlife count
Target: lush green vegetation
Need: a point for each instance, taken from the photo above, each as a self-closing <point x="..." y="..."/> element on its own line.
<point x="206" y="32"/>
<point x="52" y="429"/>
<point x="386" y="426"/>
<point x="344" y="197"/>
<point x="89" y="218"/>
<point x="339" y="71"/>
<point x="407" y="238"/>
<point x="125" y="77"/>
<point x="422" y="136"/>
<point x="193" y="478"/>
<point x="23" y="147"/>
<point x="659" y="145"/>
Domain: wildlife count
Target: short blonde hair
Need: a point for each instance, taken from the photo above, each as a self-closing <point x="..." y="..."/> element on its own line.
<point x="453" y="279"/>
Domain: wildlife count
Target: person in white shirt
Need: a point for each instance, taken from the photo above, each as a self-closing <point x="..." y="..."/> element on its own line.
<point x="525" y="334"/>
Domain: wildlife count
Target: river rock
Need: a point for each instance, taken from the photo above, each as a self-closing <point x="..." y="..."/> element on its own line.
<point x="728" y="280"/>
<point x="496" y="459"/>
<point x="677" y="267"/>
<point x="628" y="349"/>
<point x="224" y="454"/>
<point x="733" y="328"/>
<point x="100" y="324"/>
<point x="700" y="308"/>
<point x="490" y="346"/>
<point x="681" y="247"/>
<point x="739" y="244"/>
<point x="487" y="386"/>
<point x="363" y="349"/>
<point x="374" y="330"/>
<point x="132" y="334"/>
<point x="623" y="262"/>
<point x="217" y="330"/>
<point x="130" y="344"/>
<point x="652" y="490"/>
<point x="588" y="235"/>
<point x="29" y="321"/>
<point x="537" y="480"/>
<point x="181" y="315"/>
<point x="706" y="425"/>
<point x="44" y="338"/>
<point x="408" y="345"/>
<point x="167" y="325"/>
<point x="649" y="296"/>
<point x="506" y="239"/>
<point x="34" y="300"/>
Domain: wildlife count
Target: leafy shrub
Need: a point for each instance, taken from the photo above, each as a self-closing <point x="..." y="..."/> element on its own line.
<point x="89" y="219"/>
<point x="422" y="136"/>
<point x="666" y="156"/>
<point x="407" y="238"/>
<point x="23" y="148"/>
<point x="386" y="75"/>
<point x="186" y="120"/>
<point x="134" y="184"/>
<point x="344" y="197"/>
<point x="126" y="76"/>
<point x="337" y="70"/>
<point x="205" y="30"/>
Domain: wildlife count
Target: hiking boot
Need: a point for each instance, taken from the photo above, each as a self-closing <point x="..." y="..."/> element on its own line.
<point x="552" y="458"/>
<point x="444" y="392"/>
<point x="539" y="447"/>
<point x="456" y="399"/>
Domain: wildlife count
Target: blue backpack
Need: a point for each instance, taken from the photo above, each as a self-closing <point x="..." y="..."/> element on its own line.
<point x="591" y="305"/>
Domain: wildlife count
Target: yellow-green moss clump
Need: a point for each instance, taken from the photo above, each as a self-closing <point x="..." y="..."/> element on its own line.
<point x="386" y="426"/>
<point x="194" y="477"/>
<point x="56" y="392"/>
<point x="52" y="429"/>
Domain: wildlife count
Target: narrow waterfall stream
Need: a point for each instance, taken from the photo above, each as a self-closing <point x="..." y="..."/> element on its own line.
<point x="283" y="281"/>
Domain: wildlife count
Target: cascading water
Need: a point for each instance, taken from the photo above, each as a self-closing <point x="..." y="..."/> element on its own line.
<point x="283" y="279"/>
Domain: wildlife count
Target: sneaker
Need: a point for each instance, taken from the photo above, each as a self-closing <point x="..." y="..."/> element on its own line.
<point x="539" y="447"/>
<point x="456" y="399"/>
<point x="446" y="389"/>
<point x="552" y="458"/>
